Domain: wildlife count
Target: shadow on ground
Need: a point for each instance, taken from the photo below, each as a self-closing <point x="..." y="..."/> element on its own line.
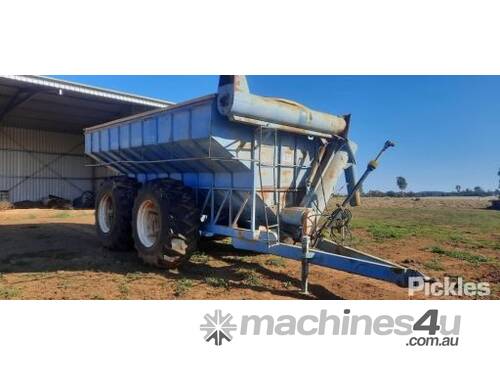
<point x="52" y="247"/>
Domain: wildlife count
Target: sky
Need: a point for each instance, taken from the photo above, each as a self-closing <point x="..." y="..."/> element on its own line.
<point x="446" y="128"/>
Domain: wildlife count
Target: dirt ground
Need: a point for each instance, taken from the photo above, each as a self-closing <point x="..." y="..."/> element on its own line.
<point x="55" y="254"/>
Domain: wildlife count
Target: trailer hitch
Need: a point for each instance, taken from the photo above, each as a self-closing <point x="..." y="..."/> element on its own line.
<point x="345" y="258"/>
<point x="338" y="256"/>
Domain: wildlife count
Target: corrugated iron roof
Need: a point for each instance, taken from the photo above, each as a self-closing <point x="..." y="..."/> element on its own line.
<point x="88" y="90"/>
<point x="46" y="103"/>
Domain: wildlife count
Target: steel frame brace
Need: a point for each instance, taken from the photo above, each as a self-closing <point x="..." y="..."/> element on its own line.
<point x="21" y="97"/>
<point x="331" y="255"/>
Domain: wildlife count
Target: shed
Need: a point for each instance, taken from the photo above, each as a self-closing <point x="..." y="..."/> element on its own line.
<point x="41" y="134"/>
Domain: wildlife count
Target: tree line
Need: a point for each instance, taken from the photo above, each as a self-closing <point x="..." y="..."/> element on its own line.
<point x="402" y="184"/>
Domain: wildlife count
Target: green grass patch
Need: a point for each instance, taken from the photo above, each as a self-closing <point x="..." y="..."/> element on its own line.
<point x="457" y="238"/>
<point x="250" y="277"/>
<point x="200" y="258"/>
<point x="9" y="292"/>
<point x="217" y="282"/>
<point x="459" y="254"/>
<point x="182" y="286"/>
<point x="434" y="264"/>
<point x="276" y="262"/>
<point x="382" y="232"/>
<point x="433" y="220"/>
<point x="447" y="227"/>
<point x="124" y="289"/>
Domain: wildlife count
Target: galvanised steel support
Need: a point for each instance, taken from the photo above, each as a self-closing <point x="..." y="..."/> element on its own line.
<point x="305" y="264"/>
<point x="254" y="184"/>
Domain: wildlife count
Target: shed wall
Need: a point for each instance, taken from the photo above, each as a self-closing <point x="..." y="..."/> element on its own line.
<point x="36" y="163"/>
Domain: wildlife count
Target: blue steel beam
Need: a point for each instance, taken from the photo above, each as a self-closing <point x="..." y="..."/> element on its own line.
<point x="362" y="264"/>
<point x="394" y="274"/>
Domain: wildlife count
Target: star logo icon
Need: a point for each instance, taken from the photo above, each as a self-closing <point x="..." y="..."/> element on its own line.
<point x="218" y="327"/>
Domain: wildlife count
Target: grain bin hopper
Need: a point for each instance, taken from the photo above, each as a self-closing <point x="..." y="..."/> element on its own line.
<point x="258" y="170"/>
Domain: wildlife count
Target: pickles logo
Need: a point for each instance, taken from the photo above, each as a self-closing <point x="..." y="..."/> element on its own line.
<point x="218" y="327"/>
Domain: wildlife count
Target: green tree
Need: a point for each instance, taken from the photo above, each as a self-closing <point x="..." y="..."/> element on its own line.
<point x="402" y="184"/>
<point x="478" y="190"/>
<point x="458" y="188"/>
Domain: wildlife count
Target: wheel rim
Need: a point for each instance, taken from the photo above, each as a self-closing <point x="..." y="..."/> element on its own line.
<point x="148" y="223"/>
<point x="105" y="213"/>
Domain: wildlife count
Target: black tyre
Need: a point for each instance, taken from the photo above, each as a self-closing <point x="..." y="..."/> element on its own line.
<point x="113" y="213"/>
<point x="165" y="224"/>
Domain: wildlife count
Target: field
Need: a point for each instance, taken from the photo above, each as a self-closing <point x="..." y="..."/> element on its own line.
<point x="54" y="254"/>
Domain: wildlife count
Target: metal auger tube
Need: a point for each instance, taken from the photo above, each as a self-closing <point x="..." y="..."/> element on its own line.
<point x="372" y="165"/>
